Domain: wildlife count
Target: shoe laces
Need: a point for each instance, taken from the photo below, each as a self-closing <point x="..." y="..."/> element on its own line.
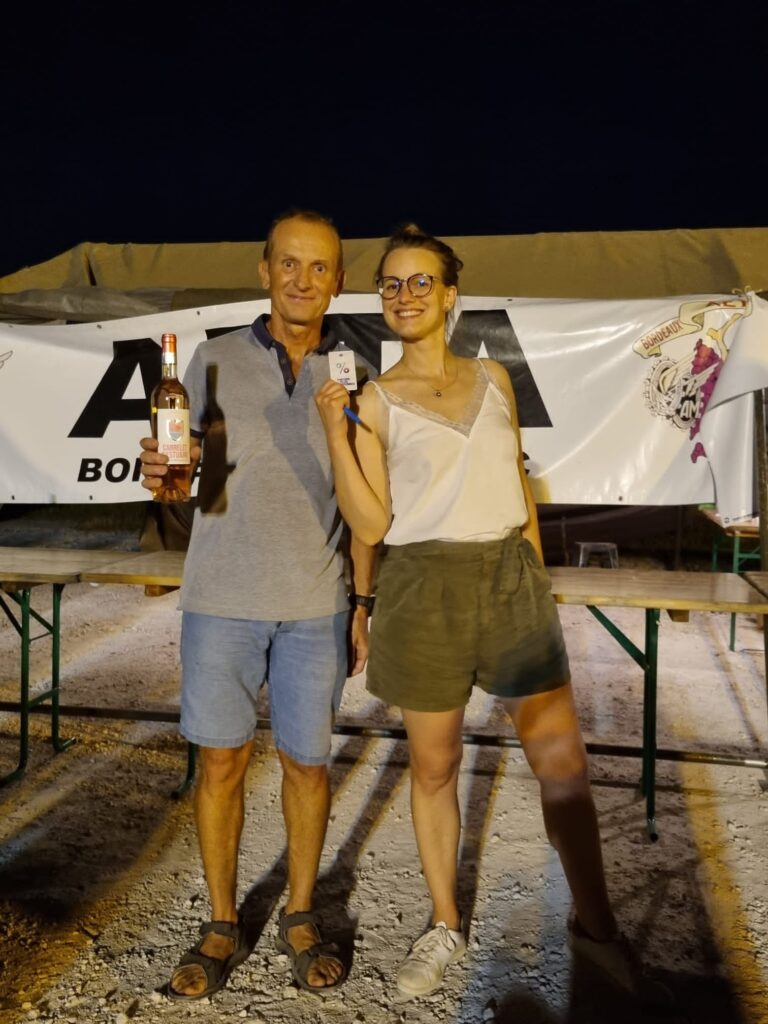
<point x="431" y="941"/>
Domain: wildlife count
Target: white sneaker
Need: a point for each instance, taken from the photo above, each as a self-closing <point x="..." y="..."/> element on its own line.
<point x="422" y="970"/>
<point x="619" y="964"/>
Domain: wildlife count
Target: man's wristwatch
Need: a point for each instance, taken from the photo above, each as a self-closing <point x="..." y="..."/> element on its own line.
<point x="366" y="600"/>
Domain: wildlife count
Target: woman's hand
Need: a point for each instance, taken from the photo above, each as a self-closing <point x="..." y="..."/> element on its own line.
<point x="358" y="641"/>
<point x="330" y="399"/>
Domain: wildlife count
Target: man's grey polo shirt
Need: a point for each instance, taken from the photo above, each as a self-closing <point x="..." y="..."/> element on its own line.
<point x="266" y="534"/>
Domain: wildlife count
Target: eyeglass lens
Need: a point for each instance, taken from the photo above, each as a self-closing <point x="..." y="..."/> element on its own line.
<point x="419" y="285"/>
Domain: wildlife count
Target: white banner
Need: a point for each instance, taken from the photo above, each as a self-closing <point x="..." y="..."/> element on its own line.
<point x="638" y="402"/>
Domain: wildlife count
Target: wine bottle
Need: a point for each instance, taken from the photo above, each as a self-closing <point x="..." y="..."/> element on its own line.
<point x="170" y="427"/>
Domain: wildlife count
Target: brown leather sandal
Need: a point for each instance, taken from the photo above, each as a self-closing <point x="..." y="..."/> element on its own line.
<point x="217" y="971"/>
<point x="301" y="962"/>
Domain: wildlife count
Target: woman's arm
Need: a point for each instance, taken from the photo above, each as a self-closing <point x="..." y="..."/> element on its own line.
<point x="363" y="565"/>
<point x="530" y="530"/>
<point x="360" y="473"/>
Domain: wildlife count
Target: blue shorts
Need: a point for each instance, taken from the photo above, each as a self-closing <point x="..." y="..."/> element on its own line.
<point x="225" y="662"/>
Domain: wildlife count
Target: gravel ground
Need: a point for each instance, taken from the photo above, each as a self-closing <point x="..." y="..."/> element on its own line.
<point x="101" y="888"/>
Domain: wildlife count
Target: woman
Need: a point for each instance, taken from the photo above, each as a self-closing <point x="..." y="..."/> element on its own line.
<point x="462" y="598"/>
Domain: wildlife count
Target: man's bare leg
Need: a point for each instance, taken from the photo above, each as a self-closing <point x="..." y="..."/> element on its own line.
<point x="306" y="806"/>
<point x="219" y="815"/>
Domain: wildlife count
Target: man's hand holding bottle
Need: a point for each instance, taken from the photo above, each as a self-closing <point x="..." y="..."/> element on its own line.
<point x="154" y="465"/>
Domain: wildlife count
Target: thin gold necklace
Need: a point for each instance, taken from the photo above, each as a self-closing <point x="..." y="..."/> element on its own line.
<point x="438" y="391"/>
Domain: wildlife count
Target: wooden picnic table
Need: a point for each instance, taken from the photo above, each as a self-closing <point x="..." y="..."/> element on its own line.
<point x="29" y="566"/>
<point x="159" y="570"/>
<point x="21" y="569"/>
<point x="747" y="527"/>
<point x="656" y="588"/>
<point x="759" y="580"/>
<point x="678" y="593"/>
<point x="652" y="590"/>
<point x="743" y="539"/>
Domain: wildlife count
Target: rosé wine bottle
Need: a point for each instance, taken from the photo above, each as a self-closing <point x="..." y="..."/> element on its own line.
<point x="170" y="427"/>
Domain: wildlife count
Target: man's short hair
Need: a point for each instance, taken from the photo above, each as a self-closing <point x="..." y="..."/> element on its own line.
<point x="312" y="217"/>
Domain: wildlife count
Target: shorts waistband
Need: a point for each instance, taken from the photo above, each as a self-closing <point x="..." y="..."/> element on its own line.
<point x="456" y="550"/>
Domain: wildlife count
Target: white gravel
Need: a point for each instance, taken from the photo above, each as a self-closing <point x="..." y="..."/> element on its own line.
<point x="101" y="888"/>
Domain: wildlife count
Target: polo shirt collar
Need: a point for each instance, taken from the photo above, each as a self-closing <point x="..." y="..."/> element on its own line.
<point x="261" y="333"/>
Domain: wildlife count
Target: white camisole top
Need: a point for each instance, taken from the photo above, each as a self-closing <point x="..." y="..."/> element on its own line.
<point x="452" y="481"/>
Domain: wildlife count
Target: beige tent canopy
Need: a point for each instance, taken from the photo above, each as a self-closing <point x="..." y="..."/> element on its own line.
<point x="99" y="281"/>
<point x="96" y="281"/>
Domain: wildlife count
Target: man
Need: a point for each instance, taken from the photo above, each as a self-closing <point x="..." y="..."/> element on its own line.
<point x="263" y="594"/>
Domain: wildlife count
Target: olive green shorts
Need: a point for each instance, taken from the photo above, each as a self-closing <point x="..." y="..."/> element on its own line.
<point x="450" y="615"/>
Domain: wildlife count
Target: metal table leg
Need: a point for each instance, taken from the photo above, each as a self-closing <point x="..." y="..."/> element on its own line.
<point x="23" y="598"/>
<point x="189" y="778"/>
<point x="735" y="568"/>
<point x="647" y="660"/>
<point x="58" y="743"/>
<point x="649" y="718"/>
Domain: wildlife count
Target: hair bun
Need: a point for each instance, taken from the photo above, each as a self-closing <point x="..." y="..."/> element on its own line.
<point x="408" y="232"/>
<point x="411" y="236"/>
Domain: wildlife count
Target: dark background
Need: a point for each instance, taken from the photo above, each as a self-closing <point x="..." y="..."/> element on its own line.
<point x="163" y="123"/>
<point x="139" y="123"/>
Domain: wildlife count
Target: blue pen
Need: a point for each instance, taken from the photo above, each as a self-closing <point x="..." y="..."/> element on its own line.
<point x="352" y="415"/>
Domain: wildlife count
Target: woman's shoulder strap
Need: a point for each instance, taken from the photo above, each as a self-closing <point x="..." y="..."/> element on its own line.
<point x="379" y="409"/>
<point x="381" y="392"/>
<point x="491" y="378"/>
<point x="483" y="369"/>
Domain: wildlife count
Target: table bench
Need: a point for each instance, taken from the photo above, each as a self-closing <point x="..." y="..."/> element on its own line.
<point x="652" y="590"/>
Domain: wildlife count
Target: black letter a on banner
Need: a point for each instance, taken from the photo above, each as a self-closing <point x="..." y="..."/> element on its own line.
<point x="493" y="327"/>
<point x="107" y="403"/>
<point x="364" y="333"/>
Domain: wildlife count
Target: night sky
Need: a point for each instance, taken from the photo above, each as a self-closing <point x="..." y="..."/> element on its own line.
<point x="126" y="123"/>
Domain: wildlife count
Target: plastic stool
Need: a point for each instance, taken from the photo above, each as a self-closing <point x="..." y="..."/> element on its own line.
<point x="604" y="550"/>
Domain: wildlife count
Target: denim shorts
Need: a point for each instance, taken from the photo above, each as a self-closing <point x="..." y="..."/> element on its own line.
<point x="225" y="662"/>
<point x="452" y="615"/>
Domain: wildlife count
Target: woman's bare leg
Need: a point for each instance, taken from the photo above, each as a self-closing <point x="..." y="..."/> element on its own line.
<point x="434" y="741"/>
<point x="548" y="729"/>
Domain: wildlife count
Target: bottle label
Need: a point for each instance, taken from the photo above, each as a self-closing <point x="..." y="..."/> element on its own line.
<point x="173" y="435"/>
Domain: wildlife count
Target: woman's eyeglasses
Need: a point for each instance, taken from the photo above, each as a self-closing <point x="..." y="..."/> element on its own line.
<point x="419" y="285"/>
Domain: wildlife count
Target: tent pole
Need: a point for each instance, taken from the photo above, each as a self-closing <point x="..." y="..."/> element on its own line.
<point x="762" y="487"/>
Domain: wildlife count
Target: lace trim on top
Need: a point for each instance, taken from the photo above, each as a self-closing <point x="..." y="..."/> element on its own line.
<point x="464" y="426"/>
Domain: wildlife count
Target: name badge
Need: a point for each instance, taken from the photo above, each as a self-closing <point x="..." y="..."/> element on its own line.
<point x="341" y="363"/>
